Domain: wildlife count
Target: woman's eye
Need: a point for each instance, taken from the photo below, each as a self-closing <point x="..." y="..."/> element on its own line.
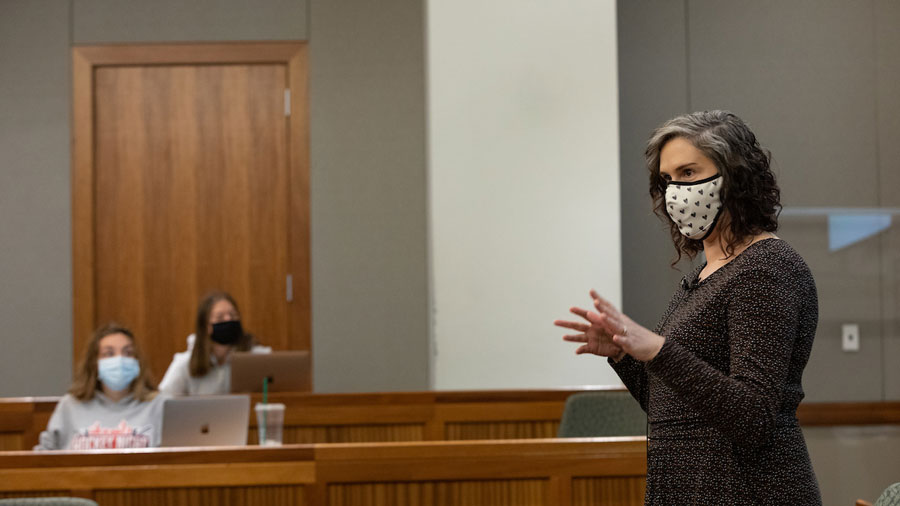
<point x="688" y="172"/>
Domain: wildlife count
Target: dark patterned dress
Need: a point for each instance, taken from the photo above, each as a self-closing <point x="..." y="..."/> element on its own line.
<point x="722" y="394"/>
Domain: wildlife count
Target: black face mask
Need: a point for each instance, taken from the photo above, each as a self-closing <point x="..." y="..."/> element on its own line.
<point x="228" y="332"/>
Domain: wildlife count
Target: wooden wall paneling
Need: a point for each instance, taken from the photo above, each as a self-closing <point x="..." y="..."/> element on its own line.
<point x="484" y="472"/>
<point x="346" y="434"/>
<point x="500" y="420"/>
<point x="608" y="490"/>
<point x="500" y="430"/>
<point x="160" y="476"/>
<point x="559" y="491"/>
<point x="323" y="418"/>
<point x="849" y="413"/>
<point x="440" y="473"/>
<point x="22" y="420"/>
<point x="459" y="460"/>
<point x="441" y="493"/>
<point x="298" y="130"/>
<point x="42" y="493"/>
<point x="191" y="496"/>
<point x="123" y="152"/>
<point x="82" y="203"/>
<point x="175" y="54"/>
<point x="15" y="420"/>
<point x="174" y="176"/>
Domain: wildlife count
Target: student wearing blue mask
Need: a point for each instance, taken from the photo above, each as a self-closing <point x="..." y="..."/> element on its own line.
<point x="205" y="368"/>
<point x="112" y="402"/>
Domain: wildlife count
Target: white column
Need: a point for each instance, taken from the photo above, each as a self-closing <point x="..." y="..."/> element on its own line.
<point x="523" y="186"/>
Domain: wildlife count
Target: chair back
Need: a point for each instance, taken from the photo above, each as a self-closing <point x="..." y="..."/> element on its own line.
<point x="602" y="414"/>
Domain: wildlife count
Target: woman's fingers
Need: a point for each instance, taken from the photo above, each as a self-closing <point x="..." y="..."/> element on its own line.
<point x="603" y="305"/>
<point x="598" y="319"/>
<point x="579" y="326"/>
<point x="578" y="311"/>
<point x="575" y="338"/>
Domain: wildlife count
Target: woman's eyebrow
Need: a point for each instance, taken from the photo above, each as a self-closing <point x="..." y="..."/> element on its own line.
<point x="678" y="169"/>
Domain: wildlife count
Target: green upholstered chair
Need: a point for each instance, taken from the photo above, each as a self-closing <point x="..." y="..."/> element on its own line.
<point x="602" y="414"/>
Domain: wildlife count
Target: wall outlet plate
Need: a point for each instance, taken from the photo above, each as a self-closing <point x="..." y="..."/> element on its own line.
<point x="850" y="337"/>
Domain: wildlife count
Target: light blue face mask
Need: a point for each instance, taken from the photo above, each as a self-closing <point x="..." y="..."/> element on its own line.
<point x="118" y="372"/>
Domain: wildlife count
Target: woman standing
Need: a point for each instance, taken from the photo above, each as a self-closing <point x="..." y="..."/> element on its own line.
<point x="111" y="404"/>
<point x="720" y="375"/>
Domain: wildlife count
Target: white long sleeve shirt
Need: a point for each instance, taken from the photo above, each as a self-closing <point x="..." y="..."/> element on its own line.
<point x="178" y="380"/>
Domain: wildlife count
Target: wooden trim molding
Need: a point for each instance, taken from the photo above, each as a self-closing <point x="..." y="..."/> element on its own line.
<point x="83" y="311"/>
<point x="849" y="413"/>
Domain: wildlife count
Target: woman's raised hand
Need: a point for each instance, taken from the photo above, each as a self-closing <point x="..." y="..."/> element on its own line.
<point x="592" y="333"/>
<point x="634" y="339"/>
<point x="609" y="333"/>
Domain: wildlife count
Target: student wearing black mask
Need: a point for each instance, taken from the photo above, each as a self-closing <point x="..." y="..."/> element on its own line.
<point x="205" y="367"/>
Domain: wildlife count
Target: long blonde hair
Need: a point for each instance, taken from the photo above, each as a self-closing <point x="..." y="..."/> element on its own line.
<point x="87" y="382"/>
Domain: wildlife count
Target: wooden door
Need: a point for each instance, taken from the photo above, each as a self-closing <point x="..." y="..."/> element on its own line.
<point x="197" y="181"/>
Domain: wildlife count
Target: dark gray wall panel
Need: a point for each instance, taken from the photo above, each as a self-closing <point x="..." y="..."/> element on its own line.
<point x="369" y="241"/>
<point x="35" y="230"/>
<point x="802" y="73"/>
<point x="849" y="288"/>
<point x="887" y="31"/>
<point x="890" y="352"/>
<point x="652" y="89"/>
<point x="117" y="21"/>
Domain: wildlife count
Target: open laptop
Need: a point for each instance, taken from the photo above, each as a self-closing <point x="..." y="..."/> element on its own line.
<point x="288" y="371"/>
<point x="206" y="420"/>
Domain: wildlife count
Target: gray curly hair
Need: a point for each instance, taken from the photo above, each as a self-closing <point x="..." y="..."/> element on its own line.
<point x="750" y="195"/>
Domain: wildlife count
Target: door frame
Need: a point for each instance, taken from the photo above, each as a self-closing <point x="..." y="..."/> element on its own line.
<point x="85" y="59"/>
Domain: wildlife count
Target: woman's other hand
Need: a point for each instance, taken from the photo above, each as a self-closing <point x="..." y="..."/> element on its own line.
<point x="593" y="334"/>
<point x="632" y="338"/>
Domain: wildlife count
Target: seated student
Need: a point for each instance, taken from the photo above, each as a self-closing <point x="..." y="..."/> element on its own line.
<point x="112" y="403"/>
<point x="205" y="367"/>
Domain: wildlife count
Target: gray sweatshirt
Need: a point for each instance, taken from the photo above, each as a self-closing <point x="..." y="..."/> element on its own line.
<point x="103" y="424"/>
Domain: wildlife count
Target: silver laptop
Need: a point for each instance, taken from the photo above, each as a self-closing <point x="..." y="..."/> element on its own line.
<point x="206" y="420"/>
<point x="287" y="371"/>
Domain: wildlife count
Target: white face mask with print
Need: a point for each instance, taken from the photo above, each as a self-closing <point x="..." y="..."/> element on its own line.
<point x="694" y="206"/>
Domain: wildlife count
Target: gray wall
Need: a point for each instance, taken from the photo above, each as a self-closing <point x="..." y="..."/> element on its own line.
<point x="35" y="228"/>
<point x="370" y="289"/>
<point x="817" y="82"/>
<point x="368" y="170"/>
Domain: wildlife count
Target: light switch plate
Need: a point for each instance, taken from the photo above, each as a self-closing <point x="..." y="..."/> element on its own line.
<point x="850" y="337"/>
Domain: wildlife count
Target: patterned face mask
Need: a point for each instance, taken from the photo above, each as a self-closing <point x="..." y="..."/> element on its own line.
<point x="694" y="206"/>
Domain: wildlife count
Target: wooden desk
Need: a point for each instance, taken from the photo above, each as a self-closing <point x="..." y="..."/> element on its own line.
<point x="421" y="416"/>
<point x="558" y="472"/>
<point x="370" y="417"/>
